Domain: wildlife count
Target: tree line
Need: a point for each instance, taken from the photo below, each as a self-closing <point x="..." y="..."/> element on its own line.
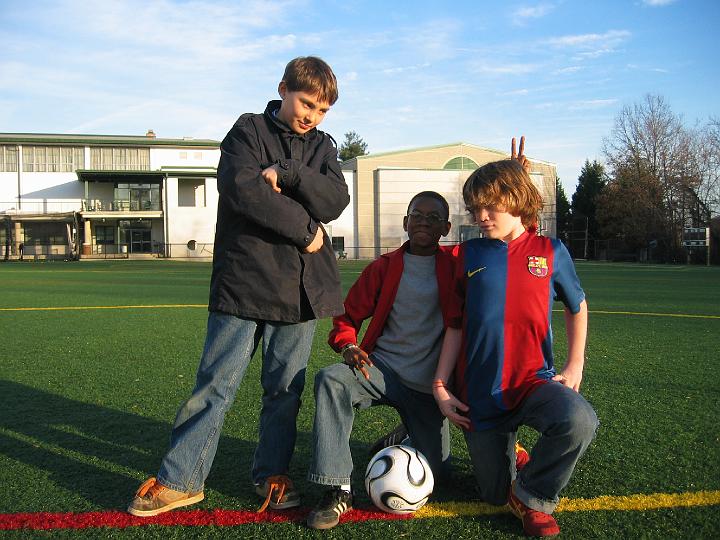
<point x="659" y="177"/>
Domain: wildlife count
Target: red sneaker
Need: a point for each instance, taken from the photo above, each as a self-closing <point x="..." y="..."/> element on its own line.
<point x="534" y="523"/>
<point x="521" y="457"/>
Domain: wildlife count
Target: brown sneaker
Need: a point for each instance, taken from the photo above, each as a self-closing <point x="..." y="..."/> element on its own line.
<point x="279" y="493"/>
<point x="153" y="498"/>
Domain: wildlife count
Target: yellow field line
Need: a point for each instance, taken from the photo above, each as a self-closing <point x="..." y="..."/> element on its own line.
<point x="80" y="308"/>
<point x="648" y="314"/>
<point x="652" y="501"/>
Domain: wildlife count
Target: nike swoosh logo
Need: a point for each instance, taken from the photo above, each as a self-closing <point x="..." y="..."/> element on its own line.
<point x="471" y="274"/>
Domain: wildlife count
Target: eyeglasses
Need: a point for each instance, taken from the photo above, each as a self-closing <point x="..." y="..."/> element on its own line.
<point x="430" y="219"/>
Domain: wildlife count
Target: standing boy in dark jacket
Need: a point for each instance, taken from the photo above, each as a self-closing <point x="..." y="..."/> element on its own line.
<point x="274" y="274"/>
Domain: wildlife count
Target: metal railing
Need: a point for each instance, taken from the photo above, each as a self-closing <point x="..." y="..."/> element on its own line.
<point x="119" y="205"/>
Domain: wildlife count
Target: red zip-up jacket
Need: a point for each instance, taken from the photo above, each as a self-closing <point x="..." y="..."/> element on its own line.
<point x="373" y="295"/>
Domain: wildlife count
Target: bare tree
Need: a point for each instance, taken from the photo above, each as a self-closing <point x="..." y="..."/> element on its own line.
<point x="706" y="149"/>
<point x="650" y="146"/>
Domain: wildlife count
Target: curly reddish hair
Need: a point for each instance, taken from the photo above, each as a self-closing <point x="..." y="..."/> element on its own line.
<point x="504" y="184"/>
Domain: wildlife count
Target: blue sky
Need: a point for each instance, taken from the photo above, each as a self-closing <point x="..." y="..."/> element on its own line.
<point x="414" y="73"/>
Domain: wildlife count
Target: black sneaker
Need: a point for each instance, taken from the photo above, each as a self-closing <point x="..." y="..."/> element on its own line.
<point x="396" y="436"/>
<point x="333" y="504"/>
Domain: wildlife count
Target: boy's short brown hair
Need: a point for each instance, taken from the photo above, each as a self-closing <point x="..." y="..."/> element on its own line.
<point x="504" y="184"/>
<point x="312" y="75"/>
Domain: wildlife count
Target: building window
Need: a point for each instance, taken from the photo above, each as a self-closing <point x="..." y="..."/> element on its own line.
<point x="338" y="243"/>
<point x="119" y="159"/>
<point x="137" y="197"/>
<point x="197" y="155"/>
<point x="461" y="163"/>
<point x="183" y="155"/>
<point x="468" y="232"/>
<point x="45" y="234"/>
<point x="8" y="158"/>
<point x="191" y="192"/>
<point x="53" y="158"/>
<point x="104" y="235"/>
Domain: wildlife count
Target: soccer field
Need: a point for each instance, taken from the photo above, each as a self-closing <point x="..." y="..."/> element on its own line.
<point x="97" y="356"/>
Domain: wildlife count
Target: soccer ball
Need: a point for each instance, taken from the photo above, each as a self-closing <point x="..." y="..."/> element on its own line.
<point x="398" y="479"/>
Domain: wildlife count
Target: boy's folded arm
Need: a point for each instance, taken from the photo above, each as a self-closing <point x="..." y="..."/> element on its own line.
<point x="241" y="183"/>
<point x="324" y="193"/>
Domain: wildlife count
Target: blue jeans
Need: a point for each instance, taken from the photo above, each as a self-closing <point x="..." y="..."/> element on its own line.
<point x="229" y="346"/>
<point x="567" y="425"/>
<point x="339" y="390"/>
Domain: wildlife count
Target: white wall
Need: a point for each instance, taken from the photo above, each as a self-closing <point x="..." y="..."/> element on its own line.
<point x="345" y="224"/>
<point x="8" y="190"/>
<point x="173" y="157"/>
<point x="41" y="192"/>
<point x="395" y="188"/>
<point x="187" y="223"/>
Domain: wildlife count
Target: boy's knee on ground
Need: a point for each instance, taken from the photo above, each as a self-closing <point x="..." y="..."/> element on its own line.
<point x="496" y="494"/>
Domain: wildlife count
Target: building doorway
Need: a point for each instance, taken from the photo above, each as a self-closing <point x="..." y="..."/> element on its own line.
<point x="136" y="235"/>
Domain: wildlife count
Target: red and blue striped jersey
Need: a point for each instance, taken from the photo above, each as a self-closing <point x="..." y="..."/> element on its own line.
<point x="504" y="299"/>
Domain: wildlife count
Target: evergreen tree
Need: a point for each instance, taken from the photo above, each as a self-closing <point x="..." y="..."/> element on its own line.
<point x="562" y="211"/>
<point x="353" y="146"/>
<point x="591" y="181"/>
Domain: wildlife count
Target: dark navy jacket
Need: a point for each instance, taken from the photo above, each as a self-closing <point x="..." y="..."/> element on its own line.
<point x="259" y="269"/>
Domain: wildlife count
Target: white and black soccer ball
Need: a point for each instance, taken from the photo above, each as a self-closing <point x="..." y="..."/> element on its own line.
<point x="398" y="479"/>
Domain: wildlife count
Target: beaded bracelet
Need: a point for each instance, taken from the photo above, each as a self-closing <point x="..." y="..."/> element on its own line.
<point x="348" y="346"/>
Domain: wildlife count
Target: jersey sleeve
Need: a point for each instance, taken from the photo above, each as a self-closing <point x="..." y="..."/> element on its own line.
<point x="566" y="285"/>
<point x="456" y="301"/>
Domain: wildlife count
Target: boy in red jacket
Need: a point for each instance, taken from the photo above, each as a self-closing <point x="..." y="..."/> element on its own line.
<point x="406" y="293"/>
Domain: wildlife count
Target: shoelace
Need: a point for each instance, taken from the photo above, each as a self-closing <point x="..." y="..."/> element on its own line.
<point x="279" y="483"/>
<point x="150" y="486"/>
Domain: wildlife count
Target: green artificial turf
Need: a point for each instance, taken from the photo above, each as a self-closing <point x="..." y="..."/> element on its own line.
<point x="87" y="400"/>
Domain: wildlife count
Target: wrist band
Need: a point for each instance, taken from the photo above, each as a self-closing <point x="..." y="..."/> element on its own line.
<point x="438" y="383"/>
<point x="348" y="346"/>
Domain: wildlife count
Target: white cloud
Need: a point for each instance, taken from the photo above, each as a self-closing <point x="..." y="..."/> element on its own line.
<point x="607" y="40"/>
<point x="591" y="104"/>
<point x="401" y="69"/>
<point x="569" y="69"/>
<point x="505" y="69"/>
<point x="656" y="3"/>
<point x="532" y="12"/>
<point x="593" y="54"/>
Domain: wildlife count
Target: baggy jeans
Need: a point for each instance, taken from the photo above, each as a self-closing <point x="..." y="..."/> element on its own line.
<point x="566" y="423"/>
<point x="340" y="389"/>
<point x="229" y="346"/>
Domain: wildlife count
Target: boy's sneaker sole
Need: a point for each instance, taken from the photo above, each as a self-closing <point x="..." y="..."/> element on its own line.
<point x="166" y="508"/>
<point x="326" y="514"/>
<point x="271" y="489"/>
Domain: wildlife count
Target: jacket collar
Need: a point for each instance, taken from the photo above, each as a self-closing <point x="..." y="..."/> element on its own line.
<point x="269" y="113"/>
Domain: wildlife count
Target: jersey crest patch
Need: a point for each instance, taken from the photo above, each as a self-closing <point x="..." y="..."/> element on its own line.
<point x="538" y="266"/>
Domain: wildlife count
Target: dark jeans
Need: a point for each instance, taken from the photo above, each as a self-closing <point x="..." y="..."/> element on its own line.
<point x="339" y="390"/>
<point x="567" y="425"/>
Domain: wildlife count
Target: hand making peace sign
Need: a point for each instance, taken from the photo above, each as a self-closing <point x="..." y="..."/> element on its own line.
<point x="520" y="155"/>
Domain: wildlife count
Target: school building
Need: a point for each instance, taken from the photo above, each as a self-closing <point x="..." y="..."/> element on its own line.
<point x="109" y="196"/>
<point x="382" y="184"/>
